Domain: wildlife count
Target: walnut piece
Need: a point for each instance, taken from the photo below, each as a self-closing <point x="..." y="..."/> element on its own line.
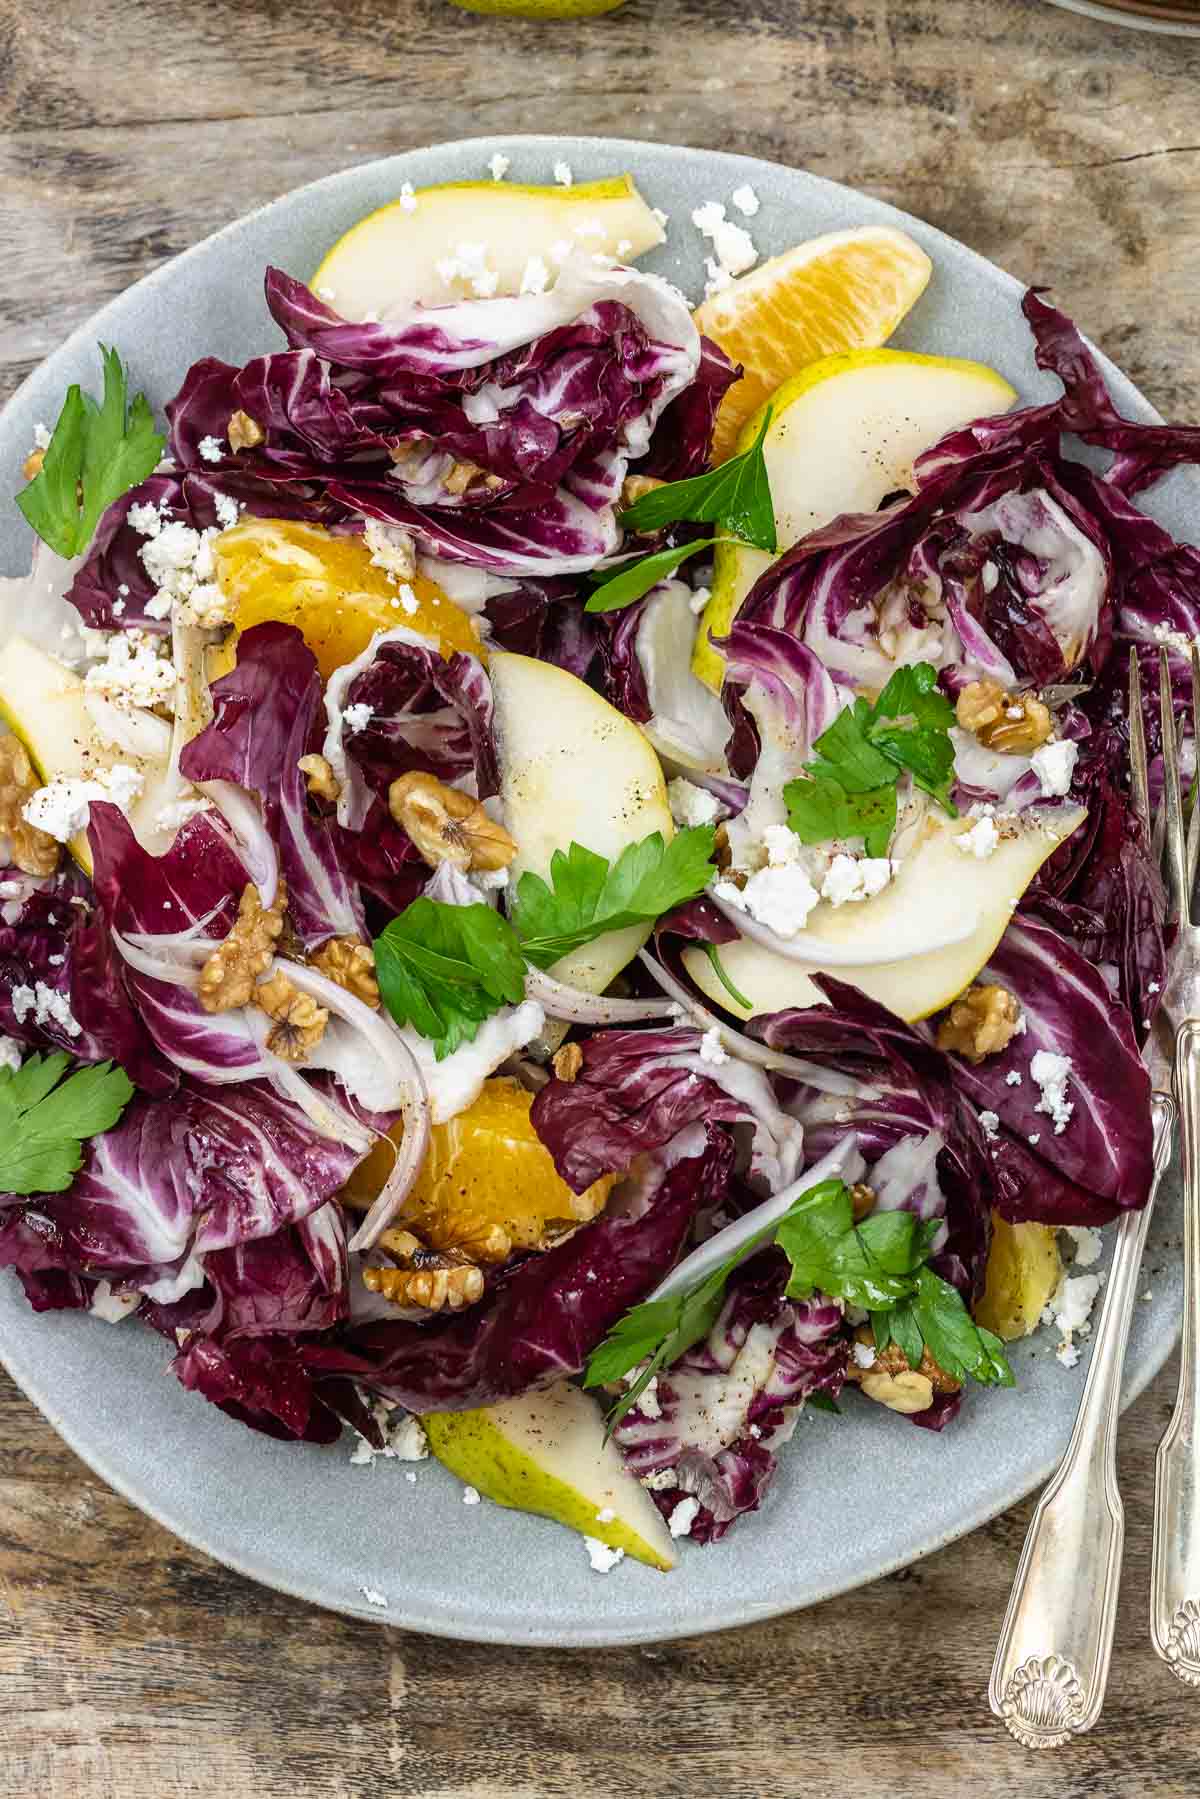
<point x="862" y="1201"/>
<point x="351" y="964"/>
<point x="906" y="1392"/>
<point x="893" y="1361"/>
<point x="567" y="1061"/>
<point x="299" y="1021"/>
<point x="981" y="1022"/>
<point x="227" y="978"/>
<point x="243" y="432"/>
<point x="320" y="779"/>
<point x="427" y="1278"/>
<point x="635" y="487"/>
<point x="460" y="477"/>
<point x="1012" y="724"/>
<point x="448" y="826"/>
<point x="31" y="468"/>
<point x="34" y="852"/>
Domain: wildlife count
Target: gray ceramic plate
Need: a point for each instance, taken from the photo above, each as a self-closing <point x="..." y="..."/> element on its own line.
<point x="303" y="1519"/>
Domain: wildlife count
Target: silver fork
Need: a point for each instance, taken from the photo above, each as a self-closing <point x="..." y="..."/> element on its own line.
<point x="1175" y="1568"/>
<point x="1051" y="1667"/>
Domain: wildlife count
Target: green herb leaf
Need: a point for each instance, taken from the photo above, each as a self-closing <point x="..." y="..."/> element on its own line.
<point x="923" y="746"/>
<point x="587" y="896"/>
<point x="45" y="1120"/>
<point x="736" y="495"/>
<point x="444" y="969"/>
<point x="637" y="578"/>
<point x="96" y="454"/>
<point x="956" y="1342"/>
<point x="821" y="810"/>
<point x="870" y="1265"/>
<point x="821" y="1402"/>
<point x="710" y="950"/>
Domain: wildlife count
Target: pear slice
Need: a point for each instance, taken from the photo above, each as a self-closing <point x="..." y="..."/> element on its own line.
<point x="939" y="892"/>
<point x="42" y="702"/>
<point x="546" y="1453"/>
<point x="390" y="258"/>
<point x="844" y="434"/>
<point x="1023" y="1269"/>
<point x="573" y="770"/>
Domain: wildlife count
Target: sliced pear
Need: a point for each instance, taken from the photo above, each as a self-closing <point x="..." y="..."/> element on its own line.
<point x="1023" y="1269"/>
<point x="546" y="1453"/>
<point x="573" y="770"/>
<point x="940" y="891"/>
<point x="390" y="258"/>
<point x="42" y="702"/>
<point x="844" y="433"/>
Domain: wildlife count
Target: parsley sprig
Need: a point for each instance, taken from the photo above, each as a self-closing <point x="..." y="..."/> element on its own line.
<point x="45" y="1120"/>
<point x="736" y="496"/>
<point x="97" y="453"/>
<point x="443" y="969"/>
<point x="849" y="788"/>
<point x="878" y="1264"/>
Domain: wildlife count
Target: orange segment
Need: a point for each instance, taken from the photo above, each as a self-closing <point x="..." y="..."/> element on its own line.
<point x="488" y="1185"/>
<point x="328" y="587"/>
<point x="847" y="290"/>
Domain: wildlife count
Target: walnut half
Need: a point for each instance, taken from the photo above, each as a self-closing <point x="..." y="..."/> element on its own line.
<point x="890" y="1380"/>
<point x="447" y="825"/>
<point x="1012" y="724"/>
<point x="981" y="1022"/>
<point x="227" y="978"/>
<point x="319" y="778"/>
<point x="432" y="1279"/>
<point x="352" y="965"/>
<point x="243" y="432"/>
<point x="299" y="1021"/>
<point x="33" y="851"/>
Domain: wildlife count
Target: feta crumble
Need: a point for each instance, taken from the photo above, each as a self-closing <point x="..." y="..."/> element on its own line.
<point x="47" y="1006"/>
<point x="733" y="247"/>
<point x="1070" y="1309"/>
<point x="469" y="263"/>
<point x="605" y="1516"/>
<point x="781" y="844"/>
<point x="41" y="436"/>
<point x="136" y="671"/>
<point x="660" y="1481"/>
<point x="1012" y="1078"/>
<point x="1054" y="765"/>
<point x="62" y="807"/>
<point x="1051" y="1073"/>
<point x="536" y="276"/>
<point x="648" y="1404"/>
<point x="991" y="1125"/>
<point x="391" y="550"/>
<point x="855" y="878"/>
<point x="779" y="897"/>
<point x="357" y="718"/>
<point x="470" y="1496"/>
<point x="499" y="165"/>
<point x="710" y="1048"/>
<point x="691" y="805"/>
<point x="864" y="1355"/>
<point x="683" y="1516"/>
<point x="981" y="840"/>
<point x="746" y="200"/>
<point x="564" y="174"/>
<point x="174" y="816"/>
<point x="10" y="1053"/>
<point x="1089" y="1245"/>
<point x="210" y="449"/>
<point x="602" y="1558"/>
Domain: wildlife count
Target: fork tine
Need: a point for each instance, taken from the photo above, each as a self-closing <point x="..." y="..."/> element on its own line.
<point x="1139" y="774"/>
<point x="1176" y="850"/>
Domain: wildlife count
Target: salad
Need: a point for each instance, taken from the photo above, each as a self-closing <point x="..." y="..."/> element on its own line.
<point x="570" y="890"/>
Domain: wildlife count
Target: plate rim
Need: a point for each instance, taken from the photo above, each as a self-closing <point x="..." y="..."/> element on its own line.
<point x="484" y="1628"/>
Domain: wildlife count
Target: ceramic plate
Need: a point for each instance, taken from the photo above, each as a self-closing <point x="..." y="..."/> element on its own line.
<point x="303" y="1519"/>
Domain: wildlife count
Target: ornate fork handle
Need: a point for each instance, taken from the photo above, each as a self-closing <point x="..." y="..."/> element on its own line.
<point x="1051" y="1666"/>
<point x="1175" y="1574"/>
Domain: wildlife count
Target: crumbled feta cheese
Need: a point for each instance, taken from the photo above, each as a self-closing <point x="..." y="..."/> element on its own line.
<point x="328" y="294"/>
<point x="746" y="200"/>
<point x="710" y="1048"/>
<point x="782" y="845"/>
<point x="536" y="276"/>
<point x="357" y="718"/>
<point x="489" y="880"/>
<point x="470" y="1496"/>
<point x="733" y="247"/>
<point x="1070" y="1310"/>
<point x="989" y="576"/>
<point x="606" y="1516"/>
<point x="391" y="550"/>
<point x="47" y="1006"/>
<point x="683" y="1516"/>
<point x="1089" y="1245"/>
<point x="602" y="1558"/>
<point x="61" y="808"/>
<point x="691" y="805"/>
<point x="699" y="600"/>
<point x="1067" y="1353"/>
<point x="410" y="1476"/>
<point x="1054" y="765"/>
<point x="1012" y="1078"/>
<point x="122" y="783"/>
<point x="564" y="174"/>
<point x="10" y="1053"/>
<point x="374" y="1598"/>
<point x="1035" y="1138"/>
<point x="118" y="607"/>
<point x="864" y="1355"/>
<point x="1051" y="1073"/>
<point x="408" y="199"/>
<point x="855" y="878"/>
<point x="981" y="840"/>
<point x="363" y="1454"/>
<point x="41" y="436"/>
<point x="144" y="518"/>
<point x="210" y="449"/>
<point x="134" y="672"/>
<point x="659" y="1482"/>
<point x="649" y="1404"/>
<point x="779" y="897"/>
<point x="188" y="805"/>
<point x="1152" y="987"/>
<point x="227" y="510"/>
<point x="991" y="1125"/>
<point x="499" y="164"/>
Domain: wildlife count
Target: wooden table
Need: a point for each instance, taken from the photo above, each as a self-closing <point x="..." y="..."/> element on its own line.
<point x="1068" y="151"/>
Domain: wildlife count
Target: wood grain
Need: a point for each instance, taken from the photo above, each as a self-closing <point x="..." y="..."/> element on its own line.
<point x="1066" y="150"/>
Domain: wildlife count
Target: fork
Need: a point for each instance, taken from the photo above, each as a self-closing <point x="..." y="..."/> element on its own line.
<point x="1175" y="1565"/>
<point x="1051" y="1668"/>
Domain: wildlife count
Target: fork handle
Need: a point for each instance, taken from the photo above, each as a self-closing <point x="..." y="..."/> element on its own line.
<point x="1175" y="1571"/>
<point x="1051" y="1665"/>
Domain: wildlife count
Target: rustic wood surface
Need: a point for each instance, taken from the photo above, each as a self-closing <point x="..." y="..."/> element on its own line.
<point x="1069" y="151"/>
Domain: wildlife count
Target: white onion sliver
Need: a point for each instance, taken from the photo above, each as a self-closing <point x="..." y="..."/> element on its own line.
<point x="776" y="1061"/>
<point x="570" y="1003"/>
<point x="817" y="954"/>
<point x="179" y="967"/>
<point x="842" y="1163"/>
<point x="255" y="844"/>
